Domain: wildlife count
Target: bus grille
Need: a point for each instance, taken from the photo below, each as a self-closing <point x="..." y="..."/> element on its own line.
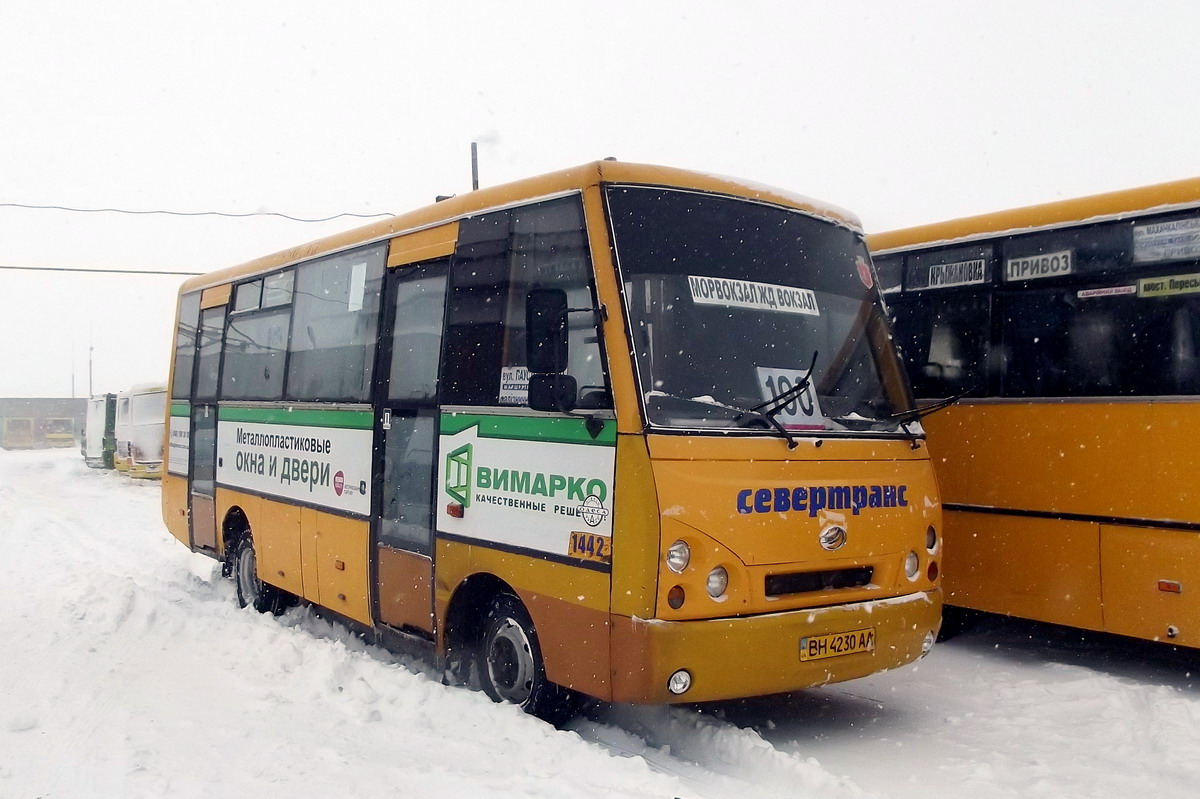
<point x="807" y="582"/>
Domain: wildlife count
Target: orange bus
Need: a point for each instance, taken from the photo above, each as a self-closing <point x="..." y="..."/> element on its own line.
<point x="1068" y="468"/>
<point x="621" y="431"/>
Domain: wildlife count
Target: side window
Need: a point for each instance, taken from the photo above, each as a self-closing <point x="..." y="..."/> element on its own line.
<point x="255" y="349"/>
<point x="256" y="341"/>
<point x="417" y="335"/>
<point x="500" y="258"/>
<point x="334" y="329"/>
<point x="1073" y="343"/>
<point x="185" y="345"/>
<point x="944" y="340"/>
<point x="208" y="368"/>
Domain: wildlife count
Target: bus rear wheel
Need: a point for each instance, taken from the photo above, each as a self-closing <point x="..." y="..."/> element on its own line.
<point x="251" y="591"/>
<point x="511" y="667"/>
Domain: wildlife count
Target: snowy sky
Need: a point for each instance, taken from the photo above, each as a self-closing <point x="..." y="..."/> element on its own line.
<point x="903" y="112"/>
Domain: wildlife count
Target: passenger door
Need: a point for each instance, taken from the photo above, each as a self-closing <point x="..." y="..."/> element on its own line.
<point x="407" y="427"/>
<point x="202" y="452"/>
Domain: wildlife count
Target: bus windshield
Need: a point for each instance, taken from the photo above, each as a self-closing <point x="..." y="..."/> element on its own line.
<point x="731" y="301"/>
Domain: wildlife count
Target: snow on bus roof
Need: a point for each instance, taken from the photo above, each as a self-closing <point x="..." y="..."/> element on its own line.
<point x="508" y="194"/>
<point x="1161" y="198"/>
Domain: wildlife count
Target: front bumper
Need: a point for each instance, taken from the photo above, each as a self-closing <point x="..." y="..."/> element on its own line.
<point x="759" y="655"/>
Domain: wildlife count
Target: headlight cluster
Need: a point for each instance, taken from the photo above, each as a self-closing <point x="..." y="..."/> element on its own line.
<point x="678" y="558"/>
<point x="912" y="561"/>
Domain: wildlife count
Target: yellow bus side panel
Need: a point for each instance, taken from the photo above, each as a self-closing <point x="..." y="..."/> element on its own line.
<point x="216" y="296"/>
<point x="1123" y="459"/>
<point x="338" y="563"/>
<point x="405" y="589"/>
<point x="1045" y="569"/>
<point x="635" y="531"/>
<point x="423" y="245"/>
<point x="1134" y="561"/>
<point x="277" y="545"/>
<point x="308" y="554"/>
<point x="174" y="507"/>
<point x="568" y="605"/>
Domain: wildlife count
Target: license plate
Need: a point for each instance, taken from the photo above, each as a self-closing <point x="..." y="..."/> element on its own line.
<point x="834" y="645"/>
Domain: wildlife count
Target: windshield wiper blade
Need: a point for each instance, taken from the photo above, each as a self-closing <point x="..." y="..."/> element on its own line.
<point x="778" y="403"/>
<point x="783" y="399"/>
<point x="917" y="414"/>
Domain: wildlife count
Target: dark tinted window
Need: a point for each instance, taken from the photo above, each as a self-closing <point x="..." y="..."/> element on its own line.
<point x="1067" y="343"/>
<point x="500" y="258"/>
<point x="944" y="339"/>
<point x="890" y="271"/>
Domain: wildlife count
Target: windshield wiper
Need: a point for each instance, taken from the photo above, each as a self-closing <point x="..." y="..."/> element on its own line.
<point x="917" y="414"/>
<point x="779" y="402"/>
<point x="905" y="418"/>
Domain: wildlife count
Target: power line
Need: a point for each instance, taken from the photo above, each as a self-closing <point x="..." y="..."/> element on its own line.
<point x="99" y="271"/>
<point x="188" y="213"/>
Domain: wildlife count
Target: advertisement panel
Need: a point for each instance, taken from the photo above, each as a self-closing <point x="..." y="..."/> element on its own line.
<point x="179" y="439"/>
<point x="315" y="457"/>
<point x="531" y="483"/>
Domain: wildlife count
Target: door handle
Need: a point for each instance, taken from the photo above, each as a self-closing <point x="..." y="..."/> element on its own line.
<point x="387" y="419"/>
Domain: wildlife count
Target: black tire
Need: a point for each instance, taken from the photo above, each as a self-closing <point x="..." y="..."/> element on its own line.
<point x="251" y="591"/>
<point x="511" y="667"/>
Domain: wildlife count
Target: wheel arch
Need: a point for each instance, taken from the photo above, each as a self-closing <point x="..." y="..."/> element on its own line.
<point x="234" y="525"/>
<point x="465" y="614"/>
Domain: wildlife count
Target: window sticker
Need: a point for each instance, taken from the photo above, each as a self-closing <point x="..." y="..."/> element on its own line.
<point x="803" y="412"/>
<point x="748" y="294"/>
<point x="1107" y="291"/>
<point x="959" y="273"/>
<point x="1167" y="241"/>
<point x="1050" y="264"/>
<point x="358" y="286"/>
<point x="514" y="385"/>
<point x="1169" y="286"/>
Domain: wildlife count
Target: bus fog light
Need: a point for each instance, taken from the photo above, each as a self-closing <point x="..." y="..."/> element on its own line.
<point x="718" y="581"/>
<point x="927" y="644"/>
<point x="912" y="566"/>
<point x="675" y="597"/>
<point x="679" y="682"/>
<point x="931" y="538"/>
<point x="679" y="555"/>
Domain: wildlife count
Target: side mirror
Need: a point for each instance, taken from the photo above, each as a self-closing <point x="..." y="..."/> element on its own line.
<point x="546" y="331"/>
<point x="552" y="392"/>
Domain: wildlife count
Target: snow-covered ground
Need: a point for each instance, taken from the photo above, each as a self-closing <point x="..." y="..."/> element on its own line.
<point x="127" y="670"/>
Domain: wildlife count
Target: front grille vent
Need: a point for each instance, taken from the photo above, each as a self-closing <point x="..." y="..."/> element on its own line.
<point x="808" y="582"/>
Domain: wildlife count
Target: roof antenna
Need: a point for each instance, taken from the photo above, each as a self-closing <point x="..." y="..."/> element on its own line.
<point x="474" y="166"/>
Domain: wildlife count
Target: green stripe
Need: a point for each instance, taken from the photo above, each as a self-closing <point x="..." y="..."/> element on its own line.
<point x="529" y="428"/>
<point x="181" y="409"/>
<point x="304" y="417"/>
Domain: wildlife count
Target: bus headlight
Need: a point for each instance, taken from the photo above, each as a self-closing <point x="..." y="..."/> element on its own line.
<point x="912" y="566"/>
<point x="679" y="555"/>
<point x="931" y="538"/>
<point x="718" y="582"/>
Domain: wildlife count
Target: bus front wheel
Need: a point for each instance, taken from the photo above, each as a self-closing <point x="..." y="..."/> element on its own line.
<point x="511" y="667"/>
<point x="251" y="591"/>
